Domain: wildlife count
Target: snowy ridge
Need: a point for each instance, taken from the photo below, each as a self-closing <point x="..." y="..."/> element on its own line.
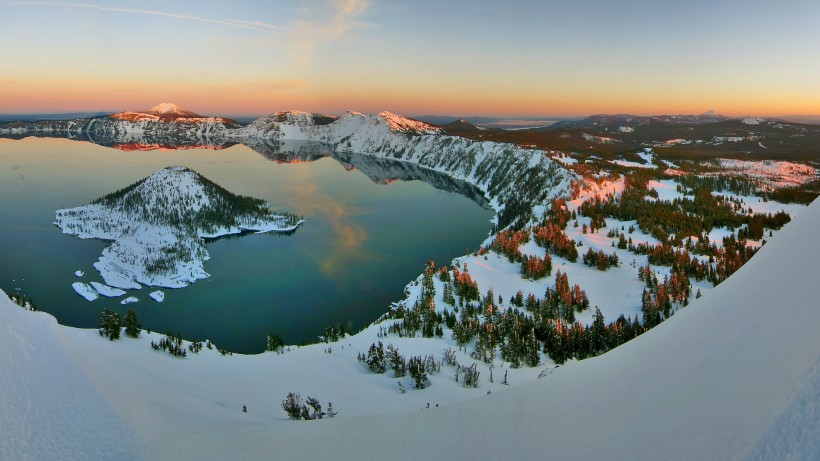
<point x="287" y="125"/>
<point x="407" y="125"/>
<point x="169" y="113"/>
<point x="495" y="168"/>
<point x="157" y="226"/>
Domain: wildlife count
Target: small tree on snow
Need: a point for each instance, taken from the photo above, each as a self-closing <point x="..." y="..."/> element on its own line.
<point x="109" y="324"/>
<point x="375" y="358"/>
<point x="274" y="343"/>
<point x="470" y="376"/>
<point x="132" y="325"/>
<point x="316" y="407"/>
<point x="415" y="367"/>
<point x="293" y="405"/>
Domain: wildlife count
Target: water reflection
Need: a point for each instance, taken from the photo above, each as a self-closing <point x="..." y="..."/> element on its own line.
<point x="360" y="245"/>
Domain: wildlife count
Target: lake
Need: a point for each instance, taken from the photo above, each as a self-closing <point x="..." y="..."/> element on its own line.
<point x="361" y="243"/>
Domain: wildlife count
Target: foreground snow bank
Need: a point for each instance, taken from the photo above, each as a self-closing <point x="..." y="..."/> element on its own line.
<point x="50" y="408"/>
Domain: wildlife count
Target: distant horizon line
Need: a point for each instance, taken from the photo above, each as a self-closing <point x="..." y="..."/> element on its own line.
<point x="549" y="117"/>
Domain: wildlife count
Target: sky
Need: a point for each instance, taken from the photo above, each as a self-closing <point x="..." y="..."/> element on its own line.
<point x="459" y="57"/>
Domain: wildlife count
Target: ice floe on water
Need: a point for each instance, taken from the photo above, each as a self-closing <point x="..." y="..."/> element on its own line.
<point x="85" y="290"/>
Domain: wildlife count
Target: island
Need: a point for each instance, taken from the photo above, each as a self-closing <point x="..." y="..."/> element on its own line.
<point x="158" y="227"/>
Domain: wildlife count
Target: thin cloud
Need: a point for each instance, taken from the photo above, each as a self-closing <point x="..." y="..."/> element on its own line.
<point x="249" y="25"/>
<point x="308" y="35"/>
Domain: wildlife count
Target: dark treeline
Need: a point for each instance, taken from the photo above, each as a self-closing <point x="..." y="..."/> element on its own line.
<point x="803" y="194"/>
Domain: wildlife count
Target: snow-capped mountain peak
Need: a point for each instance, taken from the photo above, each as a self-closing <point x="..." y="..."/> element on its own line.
<point x="170" y="109"/>
<point x="401" y="123"/>
<point x="167" y="117"/>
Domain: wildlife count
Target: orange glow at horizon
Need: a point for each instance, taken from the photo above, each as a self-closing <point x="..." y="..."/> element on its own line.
<point x="417" y="98"/>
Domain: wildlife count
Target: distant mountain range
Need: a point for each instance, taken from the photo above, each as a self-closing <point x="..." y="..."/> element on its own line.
<point x="492" y="122"/>
<point x="690" y="136"/>
<point x="707" y="135"/>
<point x="49" y="116"/>
<point x="604" y="121"/>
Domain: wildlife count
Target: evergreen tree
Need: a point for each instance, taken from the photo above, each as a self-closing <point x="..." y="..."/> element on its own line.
<point x="375" y="358"/>
<point x="132" y="326"/>
<point x="416" y="369"/>
<point x="316" y="407"/>
<point x="598" y="333"/>
<point x="293" y="405"/>
<point x="274" y="343"/>
<point x="109" y="324"/>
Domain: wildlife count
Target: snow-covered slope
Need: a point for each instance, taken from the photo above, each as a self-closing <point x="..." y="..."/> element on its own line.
<point x="156" y="226"/>
<point x="49" y="408"/>
<point x="498" y="169"/>
<point x="736" y="375"/>
<point x="171" y="109"/>
<point x="290" y="125"/>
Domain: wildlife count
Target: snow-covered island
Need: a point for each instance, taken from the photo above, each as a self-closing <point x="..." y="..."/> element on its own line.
<point x="157" y="226"/>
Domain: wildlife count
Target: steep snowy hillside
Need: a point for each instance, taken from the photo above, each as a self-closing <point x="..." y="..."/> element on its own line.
<point x="288" y="125"/>
<point x="736" y="375"/>
<point x="157" y="224"/>
<point x="511" y="175"/>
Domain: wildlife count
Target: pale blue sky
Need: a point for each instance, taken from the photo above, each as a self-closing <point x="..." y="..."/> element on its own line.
<point x="465" y="57"/>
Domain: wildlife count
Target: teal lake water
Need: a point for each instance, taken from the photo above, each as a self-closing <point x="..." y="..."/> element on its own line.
<point x="362" y="241"/>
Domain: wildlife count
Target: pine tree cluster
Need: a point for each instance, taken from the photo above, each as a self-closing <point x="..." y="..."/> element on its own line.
<point x="132" y="325"/>
<point x="378" y="359"/>
<point x="109" y="324"/>
<point x="307" y="410"/>
<point x="600" y="260"/>
<point x="172" y="344"/>
<point x="21" y="301"/>
<point x="274" y="343"/>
